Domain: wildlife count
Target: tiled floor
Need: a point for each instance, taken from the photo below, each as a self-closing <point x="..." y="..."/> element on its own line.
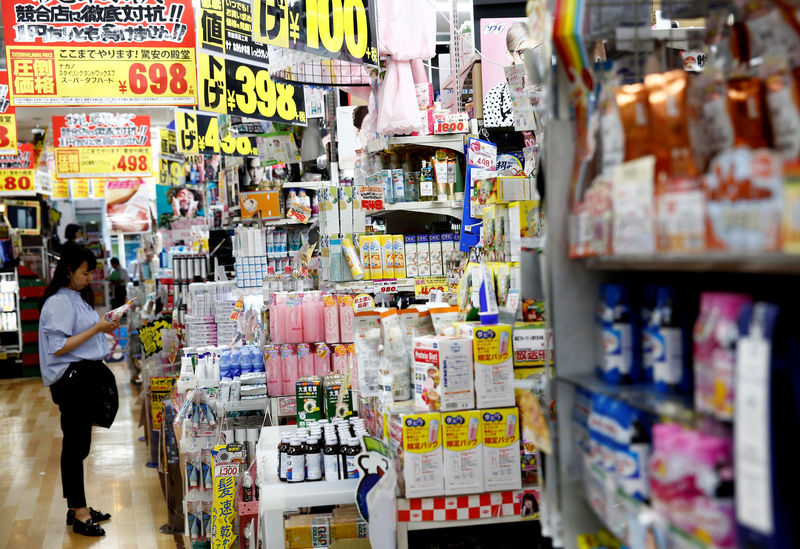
<point x="32" y="510"/>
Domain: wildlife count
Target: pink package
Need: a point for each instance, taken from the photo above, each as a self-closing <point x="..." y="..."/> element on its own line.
<point x="290" y="368"/>
<point x="313" y="317"/>
<point x="322" y="360"/>
<point x="273" y="316"/>
<point x="346" y="317"/>
<point x="274" y="370"/>
<point x="294" y="318"/>
<point x="331" y="314"/>
<point x="305" y="360"/>
<point x="715" y="335"/>
<point x="340" y="359"/>
<point x="353" y="365"/>
<point x="278" y="335"/>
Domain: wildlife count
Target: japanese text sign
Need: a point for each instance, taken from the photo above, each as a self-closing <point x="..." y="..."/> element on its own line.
<point x="8" y="119"/>
<point x="150" y="335"/>
<point x="102" y="144"/>
<point x="198" y="133"/>
<point x="227" y="86"/>
<point x="339" y="30"/>
<point x="226" y="27"/>
<point x="100" y="52"/>
<point x="17" y="171"/>
<point x="160" y="389"/>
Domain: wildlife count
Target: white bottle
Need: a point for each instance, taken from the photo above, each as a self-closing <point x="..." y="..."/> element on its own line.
<point x="288" y="280"/>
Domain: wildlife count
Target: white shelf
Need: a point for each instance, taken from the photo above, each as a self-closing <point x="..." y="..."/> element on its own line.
<point x="286" y="221"/>
<point x="366" y="286"/>
<point x="452" y="208"/>
<point x="778" y="263"/>
<point x="429" y="525"/>
<point x="251" y="405"/>
<point x="313" y="185"/>
<point x="453" y="142"/>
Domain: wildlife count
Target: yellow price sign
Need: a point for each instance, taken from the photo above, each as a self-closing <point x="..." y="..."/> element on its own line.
<point x="79" y="188"/>
<point x="231" y="87"/>
<point x="338" y="30"/>
<point x="17" y="181"/>
<point x="8" y="134"/>
<point x="171" y="172"/>
<point x="198" y="133"/>
<point x="424" y="284"/>
<point x="104" y="162"/>
<point x="60" y="189"/>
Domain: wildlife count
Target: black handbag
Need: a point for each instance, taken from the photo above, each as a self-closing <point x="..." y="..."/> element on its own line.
<point x="90" y="384"/>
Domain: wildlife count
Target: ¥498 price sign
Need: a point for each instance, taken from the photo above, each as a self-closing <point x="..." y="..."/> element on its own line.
<point x="231" y="87"/>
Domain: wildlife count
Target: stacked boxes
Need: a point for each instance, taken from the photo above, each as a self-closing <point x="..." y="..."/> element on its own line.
<point x="250" y="271"/>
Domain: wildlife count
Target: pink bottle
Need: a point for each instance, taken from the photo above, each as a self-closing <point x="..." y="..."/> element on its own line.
<point x="305" y="359"/>
<point x="340" y="359"/>
<point x="291" y="369"/>
<point x="273" y="316"/>
<point x="322" y="360"/>
<point x="331" y="314"/>
<point x="279" y="333"/>
<point x="313" y="320"/>
<point x="346" y="317"/>
<point x="274" y="370"/>
<point x="294" y="318"/>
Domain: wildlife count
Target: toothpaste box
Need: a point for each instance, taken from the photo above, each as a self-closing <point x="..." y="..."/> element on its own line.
<point x="501" y="450"/>
<point x="492" y="352"/>
<point x="443" y="378"/>
<point x="410" y="242"/>
<point x="463" y="452"/>
<point x="435" y="254"/>
<point x="416" y="443"/>
<point x="363" y="252"/>
<point x="423" y="255"/>
<point x="399" y="256"/>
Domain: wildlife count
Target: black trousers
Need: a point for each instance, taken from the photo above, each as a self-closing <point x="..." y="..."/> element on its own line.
<point x="77" y="428"/>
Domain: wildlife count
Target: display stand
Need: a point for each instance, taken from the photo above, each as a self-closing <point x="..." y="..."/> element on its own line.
<point x="455" y="512"/>
<point x="278" y="497"/>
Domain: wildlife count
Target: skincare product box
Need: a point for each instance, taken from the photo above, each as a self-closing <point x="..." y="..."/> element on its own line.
<point x="359" y="215"/>
<point x="501" y="450"/>
<point x="387" y="255"/>
<point x="435" y="254"/>
<point x="423" y="255"/>
<point x="410" y="242"/>
<point x="345" y="210"/>
<point x="494" y="366"/>
<point x="463" y="452"/>
<point x="416" y="443"/>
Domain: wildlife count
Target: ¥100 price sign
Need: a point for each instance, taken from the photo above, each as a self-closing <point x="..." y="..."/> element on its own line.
<point x="230" y="87"/>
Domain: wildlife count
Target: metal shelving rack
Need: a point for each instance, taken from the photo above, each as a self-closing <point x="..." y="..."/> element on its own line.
<point x="9" y="304"/>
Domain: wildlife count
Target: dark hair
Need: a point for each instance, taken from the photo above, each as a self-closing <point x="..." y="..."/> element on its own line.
<point x="114" y="261"/>
<point x="359" y="114"/>
<point x="71" y="232"/>
<point x="530" y="497"/>
<point x="72" y="256"/>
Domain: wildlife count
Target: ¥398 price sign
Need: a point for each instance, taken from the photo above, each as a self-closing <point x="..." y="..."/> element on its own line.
<point x="231" y="87"/>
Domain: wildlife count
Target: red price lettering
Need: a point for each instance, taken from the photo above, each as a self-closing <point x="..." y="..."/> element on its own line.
<point x="131" y="163"/>
<point x="12" y="183"/>
<point x="157" y="78"/>
<point x="5" y="141"/>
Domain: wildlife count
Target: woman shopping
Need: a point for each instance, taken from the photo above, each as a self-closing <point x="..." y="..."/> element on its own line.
<point x="72" y="344"/>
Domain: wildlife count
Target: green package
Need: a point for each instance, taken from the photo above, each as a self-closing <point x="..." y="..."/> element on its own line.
<point x="333" y="389"/>
<point x="309" y="400"/>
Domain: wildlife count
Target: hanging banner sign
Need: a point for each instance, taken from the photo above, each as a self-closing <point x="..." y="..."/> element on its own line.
<point x="102" y="145"/>
<point x="171" y="172"/>
<point x="160" y="389"/>
<point x="226" y="27"/>
<point x="227" y="86"/>
<point x="198" y="133"/>
<point x="339" y="30"/>
<point x="169" y="143"/>
<point x="100" y="52"/>
<point x="18" y="171"/>
<point x="8" y="119"/>
<point x="78" y="188"/>
<point x="424" y="284"/>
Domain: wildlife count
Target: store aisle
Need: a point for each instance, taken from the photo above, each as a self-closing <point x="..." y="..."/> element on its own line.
<point x="117" y="481"/>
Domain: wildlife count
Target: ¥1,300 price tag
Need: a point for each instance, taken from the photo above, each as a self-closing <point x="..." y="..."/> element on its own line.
<point x="231" y="87"/>
<point x="385" y="286"/>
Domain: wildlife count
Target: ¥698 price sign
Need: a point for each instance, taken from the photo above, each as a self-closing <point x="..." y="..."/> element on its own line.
<point x="231" y="87"/>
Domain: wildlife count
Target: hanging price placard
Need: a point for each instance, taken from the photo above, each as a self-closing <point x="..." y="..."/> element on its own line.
<point x="233" y="87"/>
<point x="226" y="28"/>
<point x="342" y="29"/>
<point x="198" y="133"/>
<point x="8" y="119"/>
<point x="89" y="52"/>
<point x="371" y="197"/>
<point x="424" y="284"/>
<point x="171" y="172"/>
<point x="17" y="171"/>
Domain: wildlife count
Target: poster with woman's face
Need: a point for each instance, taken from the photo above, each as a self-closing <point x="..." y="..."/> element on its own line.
<point x="178" y="202"/>
<point x="127" y="205"/>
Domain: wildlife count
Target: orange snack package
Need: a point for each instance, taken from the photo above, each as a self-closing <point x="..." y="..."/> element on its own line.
<point x="634" y="111"/>
<point x="746" y="105"/>
<point x="669" y="116"/>
<point x="783" y="107"/>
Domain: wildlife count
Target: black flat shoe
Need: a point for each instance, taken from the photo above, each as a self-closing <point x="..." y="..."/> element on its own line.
<point x="97" y="516"/>
<point x="88" y="528"/>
